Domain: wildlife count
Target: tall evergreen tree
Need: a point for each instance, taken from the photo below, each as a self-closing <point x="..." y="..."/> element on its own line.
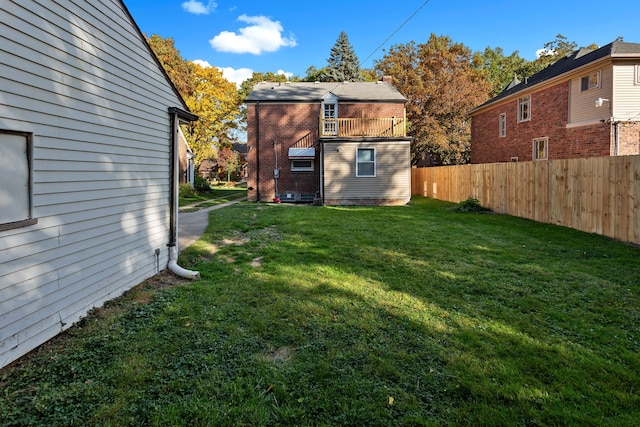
<point x="343" y="64"/>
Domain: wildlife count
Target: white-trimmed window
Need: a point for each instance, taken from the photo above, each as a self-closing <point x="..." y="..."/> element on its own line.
<point x="637" y="75"/>
<point x="524" y="108"/>
<point x="301" y="165"/>
<point x="15" y="176"/>
<point x="502" y="125"/>
<point x="366" y="162"/>
<point x="541" y="148"/>
<point x="591" y="81"/>
<point x="330" y="116"/>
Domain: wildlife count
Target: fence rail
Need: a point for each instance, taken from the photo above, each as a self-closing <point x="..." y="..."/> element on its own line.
<point x="354" y="127"/>
<point x="597" y="195"/>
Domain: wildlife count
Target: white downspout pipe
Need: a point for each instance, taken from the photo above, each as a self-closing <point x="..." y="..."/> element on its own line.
<point x="176" y="269"/>
<point x="175" y="170"/>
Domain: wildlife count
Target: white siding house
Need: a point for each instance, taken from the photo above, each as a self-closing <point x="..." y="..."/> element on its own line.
<point x="87" y="130"/>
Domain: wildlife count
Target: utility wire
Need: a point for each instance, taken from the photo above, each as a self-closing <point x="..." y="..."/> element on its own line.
<point x="395" y="32"/>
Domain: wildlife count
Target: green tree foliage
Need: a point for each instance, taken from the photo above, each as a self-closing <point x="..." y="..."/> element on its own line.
<point x="207" y="94"/>
<point x="441" y="83"/>
<point x="343" y="64"/>
<point x="500" y="69"/>
<point x="228" y="161"/>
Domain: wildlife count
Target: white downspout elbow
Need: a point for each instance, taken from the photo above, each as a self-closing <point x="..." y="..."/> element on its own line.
<point x="176" y="269"/>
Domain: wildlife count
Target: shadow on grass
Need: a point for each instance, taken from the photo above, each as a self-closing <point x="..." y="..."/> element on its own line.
<point x="346" y="316"/>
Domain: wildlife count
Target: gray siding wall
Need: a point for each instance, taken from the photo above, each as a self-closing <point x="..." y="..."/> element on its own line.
<point x="79" y="77"/>
<point x="393" y="173"/>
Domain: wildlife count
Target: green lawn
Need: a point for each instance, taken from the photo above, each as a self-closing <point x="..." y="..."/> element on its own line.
<point x="216" y="196"/>
<point x="356" y="316"/>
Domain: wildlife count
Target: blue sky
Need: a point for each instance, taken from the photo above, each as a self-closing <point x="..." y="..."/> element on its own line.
<point x="241" y="36"/>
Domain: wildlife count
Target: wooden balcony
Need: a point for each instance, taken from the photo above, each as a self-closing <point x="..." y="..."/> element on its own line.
<point x="363" y="127"/>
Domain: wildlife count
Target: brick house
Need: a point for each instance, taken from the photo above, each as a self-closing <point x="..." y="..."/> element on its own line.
<point x="328" y="143"/>
<point x="586" y="104"/>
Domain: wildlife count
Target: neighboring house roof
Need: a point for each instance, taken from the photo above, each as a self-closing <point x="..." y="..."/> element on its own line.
<point x="315" y="91"/>
<point x="240" y="147"/>
<point x="573" y="61"/>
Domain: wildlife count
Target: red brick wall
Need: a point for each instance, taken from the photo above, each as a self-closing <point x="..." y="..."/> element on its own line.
<point x="629" y="138"/>
<point x="283" y="125"/>
<point x="549" y="115"/>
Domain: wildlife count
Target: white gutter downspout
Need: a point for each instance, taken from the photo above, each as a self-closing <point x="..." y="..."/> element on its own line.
<point x="173" y="205"/>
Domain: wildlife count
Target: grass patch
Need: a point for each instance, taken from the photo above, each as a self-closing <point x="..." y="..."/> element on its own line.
<point x="216" y="196"/>
<point x="386" y="316"/>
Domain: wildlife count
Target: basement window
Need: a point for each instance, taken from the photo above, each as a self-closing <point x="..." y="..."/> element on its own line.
<point x="302" y="165"/>
<point x="15" y="175"/>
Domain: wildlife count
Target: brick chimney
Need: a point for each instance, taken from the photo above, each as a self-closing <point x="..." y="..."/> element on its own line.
<point x="387" y="79"/>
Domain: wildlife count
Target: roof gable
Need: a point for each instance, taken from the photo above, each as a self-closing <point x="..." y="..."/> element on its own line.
<point x="571" y="62"/>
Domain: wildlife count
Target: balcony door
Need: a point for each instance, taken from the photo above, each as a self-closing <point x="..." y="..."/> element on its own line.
<point x="330" y="115"/>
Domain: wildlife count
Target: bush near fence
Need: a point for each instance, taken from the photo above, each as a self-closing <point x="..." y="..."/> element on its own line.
<point x="597" y="195"/>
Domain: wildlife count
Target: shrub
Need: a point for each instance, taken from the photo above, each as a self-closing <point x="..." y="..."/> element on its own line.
<point x="186" y="191"/>
<point x="472" y="204"/>
<point x="201" y="185"/>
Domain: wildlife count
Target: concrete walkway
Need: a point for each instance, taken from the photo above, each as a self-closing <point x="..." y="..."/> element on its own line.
<point x="191" y="225"/>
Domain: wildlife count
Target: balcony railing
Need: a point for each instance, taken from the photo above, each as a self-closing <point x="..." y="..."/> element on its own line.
<point x="362" y="127"/>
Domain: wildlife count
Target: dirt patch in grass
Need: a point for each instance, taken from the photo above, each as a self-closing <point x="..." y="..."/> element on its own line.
<point x="278" y="355"/>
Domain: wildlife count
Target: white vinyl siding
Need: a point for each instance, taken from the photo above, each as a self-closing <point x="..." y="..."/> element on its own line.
<point x="78" y="77"/>
<point x="626" y="92"/>
<point x="582" y="107"/>
<point x="393" y="172"/>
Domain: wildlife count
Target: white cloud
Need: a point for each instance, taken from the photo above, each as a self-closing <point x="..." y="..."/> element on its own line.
<point x="198" y="7"/>
<point x="236" y="76"/>
<point x="287" y="74"/>
<point x="261" y="35"/>
<point x="203" y="64"/>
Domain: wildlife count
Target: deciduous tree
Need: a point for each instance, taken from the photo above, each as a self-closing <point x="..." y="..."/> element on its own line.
<point x="442" y="84"/>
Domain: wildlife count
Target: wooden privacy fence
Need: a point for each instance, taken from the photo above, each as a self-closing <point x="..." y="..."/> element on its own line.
<point x="597" y="195"/>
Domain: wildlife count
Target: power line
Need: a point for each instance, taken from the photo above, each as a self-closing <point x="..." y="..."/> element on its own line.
<point x="395" y="32"/>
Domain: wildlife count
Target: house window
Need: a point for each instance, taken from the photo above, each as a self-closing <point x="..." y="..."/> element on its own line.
<point x="540" y="148"/>
<point x="366" y="162"/>
<point x="302" y="165"/>
<point x="15" y="175"/>
<point x="590" y="82"/>
<point x="330" y="115"/>
<point x="524" y="108"/>
<point x="503" y="125"/>
<point x="637" y="79"/>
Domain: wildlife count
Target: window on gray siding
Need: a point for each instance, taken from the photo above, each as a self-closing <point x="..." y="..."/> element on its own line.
<point x="366" y="162"/>
<point x="15" y="176"/>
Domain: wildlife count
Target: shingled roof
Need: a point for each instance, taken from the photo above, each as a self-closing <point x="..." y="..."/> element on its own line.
<point x="573" y="61"/>
<point x="315" y="91"/>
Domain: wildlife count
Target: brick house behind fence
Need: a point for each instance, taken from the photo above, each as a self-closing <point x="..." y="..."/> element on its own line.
<point x="586" y="104"/>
